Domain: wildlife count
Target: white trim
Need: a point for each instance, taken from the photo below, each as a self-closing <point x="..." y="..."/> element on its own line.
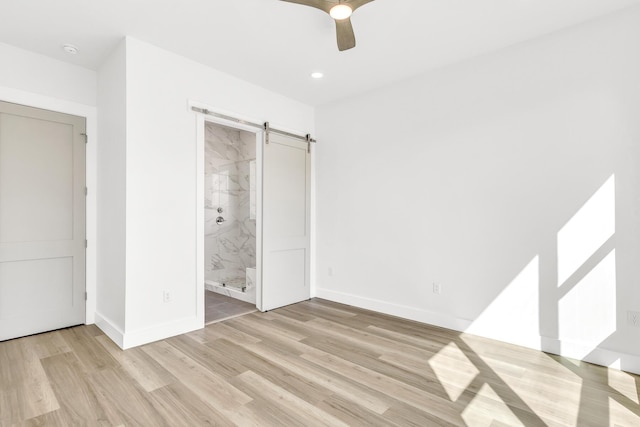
<point x="201" y="121"/>
<point x="161" y="331"/>
<point x="403" y="311"/>
<point x="312" y="226"/>
<point x="598" y="356"/>
<point x="90" y="114"/>
<point x="144" y="336"/>
<point x="108" y="327"/>
<point x="259" y="157"/>
<point x="200" y="220"/>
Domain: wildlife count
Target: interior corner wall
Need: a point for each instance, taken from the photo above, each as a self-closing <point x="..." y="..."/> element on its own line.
<point x="490" y="178"/>
<point x="161" y="164"/>
<point x="111" y="195"/>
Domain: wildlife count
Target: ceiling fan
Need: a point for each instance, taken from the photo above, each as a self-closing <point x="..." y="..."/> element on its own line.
<point x="340" y="11"/>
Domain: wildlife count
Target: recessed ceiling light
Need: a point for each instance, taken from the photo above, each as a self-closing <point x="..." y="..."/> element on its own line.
<point x="69" y="48"/>
<point x="317" y="75"/>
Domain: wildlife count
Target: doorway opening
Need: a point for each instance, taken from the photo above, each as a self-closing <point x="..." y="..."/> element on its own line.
<point x="229" y="221"/>
<point x="253" y="216"/>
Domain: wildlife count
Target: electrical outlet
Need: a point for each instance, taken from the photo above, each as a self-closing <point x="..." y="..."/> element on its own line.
<point x="166" y="296"/>
<point x="437" y="288"/>
<point x="633" y="318"/>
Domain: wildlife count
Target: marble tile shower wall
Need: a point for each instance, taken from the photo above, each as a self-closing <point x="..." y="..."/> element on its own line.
<point x="231" y="246"/>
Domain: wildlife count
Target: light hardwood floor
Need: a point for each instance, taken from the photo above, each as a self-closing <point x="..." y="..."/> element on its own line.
<point x="313" y="363"/>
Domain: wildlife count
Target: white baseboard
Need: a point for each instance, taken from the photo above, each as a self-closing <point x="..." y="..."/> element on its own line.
<point x="406" y="312"/>
<point x="144" y="336"/>
<point x="110" y="330"/>
<point x="598" y="356"/>
<point x="160" y="332"/>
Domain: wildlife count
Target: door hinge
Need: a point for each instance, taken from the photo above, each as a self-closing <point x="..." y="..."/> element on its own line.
<point x="86" y="138"/>
<point x="85" y="296"/>
<point x="86" y="191"/>
<point x="86" y="243"/>
<point x="308" y="138"/>
<point x="266" y="132"/>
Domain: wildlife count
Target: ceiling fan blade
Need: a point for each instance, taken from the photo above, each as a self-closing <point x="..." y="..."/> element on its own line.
<point x="344" y="32"/>
<point x="318" y="4"/>
<point x="354" y="4"/>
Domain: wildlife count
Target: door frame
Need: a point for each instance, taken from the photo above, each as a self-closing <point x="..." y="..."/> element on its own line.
<point x="90" y="114"/>
<point x="201" y="121"/>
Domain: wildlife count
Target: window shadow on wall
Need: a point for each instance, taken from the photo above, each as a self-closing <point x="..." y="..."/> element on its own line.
<point x="580" y="308"/>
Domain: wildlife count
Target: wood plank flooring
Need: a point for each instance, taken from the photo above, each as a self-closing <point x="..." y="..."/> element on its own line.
<point x="310" y="364"/>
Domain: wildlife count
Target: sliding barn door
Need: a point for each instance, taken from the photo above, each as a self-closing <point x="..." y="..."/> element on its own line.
<point x="42" y="220"/>
<point x="286" y="213"/>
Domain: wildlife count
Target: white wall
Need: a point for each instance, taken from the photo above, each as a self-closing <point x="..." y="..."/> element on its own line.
<point x="511" y="179"/>
<point x="162" y="158"/>
<point x="111" y="194"/>
<point x="38" y="81"/>
<point x="31" y="72"/>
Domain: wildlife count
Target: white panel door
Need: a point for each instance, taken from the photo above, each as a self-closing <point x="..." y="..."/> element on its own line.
<point x="42" y="220"/>
<point x="286" y="206"/>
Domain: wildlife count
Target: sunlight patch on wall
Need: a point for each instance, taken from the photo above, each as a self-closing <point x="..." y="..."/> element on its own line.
<point x="625" y="384"/>
<point x="587" y="231"/>
<point x="513" y="316"/>
<point x="487" y="409"/>
<point x="587" y="313"/>
<point x="454" y="370"/>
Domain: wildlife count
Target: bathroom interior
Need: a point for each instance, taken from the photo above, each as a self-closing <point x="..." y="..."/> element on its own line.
<point x="230" y="222"/>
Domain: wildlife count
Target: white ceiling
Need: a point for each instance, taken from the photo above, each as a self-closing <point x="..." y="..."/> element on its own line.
<point x="277" y="45"/>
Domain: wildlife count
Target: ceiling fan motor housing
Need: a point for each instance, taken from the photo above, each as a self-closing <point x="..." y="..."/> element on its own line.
<point x="341" y="12"/>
